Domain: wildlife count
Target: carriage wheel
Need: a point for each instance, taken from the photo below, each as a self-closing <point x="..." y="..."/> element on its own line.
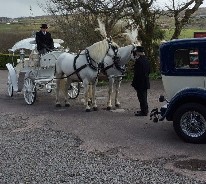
<point x="74" y="90"/>
<point x="29" y="91"/>
<point x="10" y="86"/>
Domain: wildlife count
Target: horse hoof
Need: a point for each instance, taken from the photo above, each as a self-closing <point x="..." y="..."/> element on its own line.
<point x="67" y="105"/>
<point x="109" y="108"/>
<point x="117" y="105"/>
<point x="88" y="110"/>
<point x="58" y="105"/>
<point x="95" y="108"/>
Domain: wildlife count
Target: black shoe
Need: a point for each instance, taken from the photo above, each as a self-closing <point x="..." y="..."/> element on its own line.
<point x="141" y="114"/>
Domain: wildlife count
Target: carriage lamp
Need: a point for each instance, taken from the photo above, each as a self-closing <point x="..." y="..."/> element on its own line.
<point x="22" y="55"/>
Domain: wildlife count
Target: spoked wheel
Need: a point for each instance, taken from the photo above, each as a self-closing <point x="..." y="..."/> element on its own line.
<point x="190" y="122"/>
<point x="29" y="91"/>
<point x="10" y="86"/>
<point x="74" y="90"/>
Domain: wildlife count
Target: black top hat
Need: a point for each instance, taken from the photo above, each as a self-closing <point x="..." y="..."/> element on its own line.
<point x="139" y="49"/>
<point x="44" y="26"/>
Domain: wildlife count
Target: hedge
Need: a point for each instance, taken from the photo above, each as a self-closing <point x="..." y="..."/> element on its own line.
<point x="7" y="58"/>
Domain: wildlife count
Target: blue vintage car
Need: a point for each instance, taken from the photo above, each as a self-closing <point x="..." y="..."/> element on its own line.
<point x="183" y="70"/>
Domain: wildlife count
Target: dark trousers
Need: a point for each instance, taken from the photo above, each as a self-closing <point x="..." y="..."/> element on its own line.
<point x="142" y="97"/>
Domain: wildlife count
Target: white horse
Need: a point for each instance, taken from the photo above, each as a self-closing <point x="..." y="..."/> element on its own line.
<point x="85" y="67"/>
<point x="115" y="70"/>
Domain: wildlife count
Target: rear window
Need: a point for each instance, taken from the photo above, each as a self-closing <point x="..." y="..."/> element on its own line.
<point x="186" y="59"/>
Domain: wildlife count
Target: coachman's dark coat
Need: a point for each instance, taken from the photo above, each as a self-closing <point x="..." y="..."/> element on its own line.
<point x="141" y="74"/>
<point x="44" y="41"/>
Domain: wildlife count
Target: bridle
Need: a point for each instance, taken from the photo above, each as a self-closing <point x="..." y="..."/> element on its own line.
<point x="116" y="61"/>
<point x="133" y="50"/>
<point x="114" y="49"/>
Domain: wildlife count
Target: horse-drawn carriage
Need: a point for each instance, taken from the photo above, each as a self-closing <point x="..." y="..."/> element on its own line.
<point x="183" y="69"/>
<point x="35" y="72"/>
<point x="45" y="71"/>
<point x="85" y="66"/>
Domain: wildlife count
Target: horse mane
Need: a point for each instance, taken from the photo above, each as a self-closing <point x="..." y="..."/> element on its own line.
<point x="98" y="50"/>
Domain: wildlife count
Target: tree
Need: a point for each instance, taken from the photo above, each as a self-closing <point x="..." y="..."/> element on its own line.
<point x="145" y="16"/>
<point x="182" y="13"/>
<point x="78" y="18"/>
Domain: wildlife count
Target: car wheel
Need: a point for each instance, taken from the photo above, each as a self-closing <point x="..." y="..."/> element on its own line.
<point x="190" y="122"/>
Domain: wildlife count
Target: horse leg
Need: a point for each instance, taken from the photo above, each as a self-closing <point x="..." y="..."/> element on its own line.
<point x="90" y="94"/>
<point x="86" y="95"/>
<point x="57" y="92"/>
<point x="66" y="99"/>
<point x="110" y="91"/>
<point x="94" y="102"/>
<point x="117" y="87"/>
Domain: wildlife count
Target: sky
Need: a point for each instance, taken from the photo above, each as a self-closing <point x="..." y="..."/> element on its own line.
<point x="21" y="8"/>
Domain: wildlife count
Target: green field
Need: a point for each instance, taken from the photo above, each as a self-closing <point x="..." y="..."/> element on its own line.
<point x="186" y="33"/>
<point x="18" y="27"/>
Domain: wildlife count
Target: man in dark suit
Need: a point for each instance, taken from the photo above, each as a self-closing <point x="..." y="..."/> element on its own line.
<point x="141" y="79"/>
<point x="44" y="40"/>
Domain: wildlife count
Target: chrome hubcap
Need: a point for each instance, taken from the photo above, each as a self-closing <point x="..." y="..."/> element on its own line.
<point x="193" y="124"/>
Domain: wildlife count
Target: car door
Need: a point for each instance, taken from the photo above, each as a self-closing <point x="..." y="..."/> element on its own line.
<point x="186" y="70"/>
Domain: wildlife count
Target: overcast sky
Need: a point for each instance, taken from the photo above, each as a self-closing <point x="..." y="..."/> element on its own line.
<point x="21" y="8"/>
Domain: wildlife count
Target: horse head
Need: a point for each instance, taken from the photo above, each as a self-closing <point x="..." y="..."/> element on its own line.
<point x="113" y="50"/>
<point x="137" y="51"/>
<point x="99" y="50"/>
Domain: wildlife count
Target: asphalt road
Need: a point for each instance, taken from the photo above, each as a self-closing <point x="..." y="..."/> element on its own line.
<point x="117" y="131"/>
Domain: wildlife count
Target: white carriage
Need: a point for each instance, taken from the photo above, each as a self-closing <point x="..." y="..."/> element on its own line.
<point x="36" y="72"/>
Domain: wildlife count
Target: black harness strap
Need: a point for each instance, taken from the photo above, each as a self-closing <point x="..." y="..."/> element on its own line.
<point x="79" y="69"/>
<point x="117" y="66"/>
<point x="89" y="60"/>
<point x="76" y="70"/>
<point x="107" y="67"/>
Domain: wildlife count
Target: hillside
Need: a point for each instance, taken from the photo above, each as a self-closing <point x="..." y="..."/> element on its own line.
<point x="13" y="30"/>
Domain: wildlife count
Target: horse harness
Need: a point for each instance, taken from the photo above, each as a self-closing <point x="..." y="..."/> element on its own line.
<point x="90" y="62"/>
<point x="116" y="64"/>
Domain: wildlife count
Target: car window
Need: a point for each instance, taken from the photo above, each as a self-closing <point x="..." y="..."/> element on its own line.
<point x="186" y="59"/>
